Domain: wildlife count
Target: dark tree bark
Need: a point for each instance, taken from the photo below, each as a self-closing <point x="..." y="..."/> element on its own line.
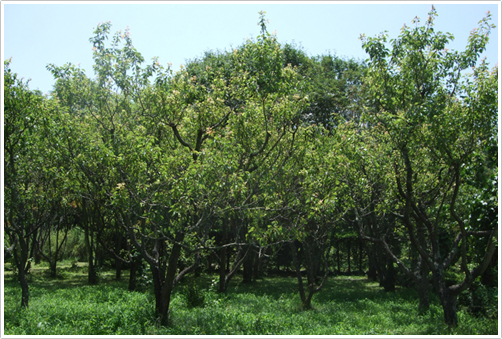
<point x="209" y="265"/>
<point x="21" y="238"/>
<point x="89" y="242"/>
<point x="294" y="254"/>
<point x="21" y="261"/>
<point x="380" y="257"/>
<point x="57" y="253"/>
<point x="164" y="277"/>
<point x="37" y="247"/>
<point x="389" y="284"/>
<point x="423" y="287"/>
<point x="134" y="264"/>
<point x="167" y="286"/>
<point x="372" y="264"/>
<point x="188" y="269"/>
<point x="385" y="269"/>
<point x="311" y="274"/>
<point x="118" y="263"/>
<point x="361" y="256"/>
<point x="25" y="290"/>
<point x="338" y="256"/>
<point x="226" y="270"/>
<point x="247" y="267"/>
<point x="223" y="258"/>
<point x="240" y="257"/>
<point x="257" y="264"/>
<point x="164" y="273"/>
<point x="348" y="240"/>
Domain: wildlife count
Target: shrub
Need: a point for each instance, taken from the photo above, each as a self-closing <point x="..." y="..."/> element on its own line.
<point x="194" y="296"/>
<point x="480" y="300"/>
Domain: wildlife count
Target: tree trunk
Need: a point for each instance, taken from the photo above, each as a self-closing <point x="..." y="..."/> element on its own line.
<point x="135" y="262"/>
<point x="237" y="263"/>
<point x="306" y="302"/>
<point x="223" y="259"/>
<point x="22" y="264"/>
<point x="222" y="272"/>
<point x="450" y="310"/>
<point x="247" y="268"/>
<point x="53" y="268"/>
<point x="256" y="266"/>
<point x="21" y="261"/>
<point x="390" y="276"/>
<point x="338" y="256"/>
<point x="228" y="256"/>
<point x="25" y="290"/>
<point x="489" y="276"/>
<point x="157" y="278"/>
<point x="118" y="263"/>
<point x="311" y="262"/>
<point x="170" y="276"/>
<point x="448" y="299"/>
<point x="209" y="265"/>
<point x="372" y="265"/>
<point x="37" y="247"/>
<point x="385" y="268"/>
<point x="361" y="256"/>
<point x="449" y="303"/>
<point x="118" y="269"/>
<point x="423" y="289"/>
<point x="186" y="270"/>
<point x="348" y="254"/>
<point x="92" y="276"/>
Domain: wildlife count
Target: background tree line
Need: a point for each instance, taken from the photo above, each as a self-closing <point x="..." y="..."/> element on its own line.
<point x="262" y="160"/>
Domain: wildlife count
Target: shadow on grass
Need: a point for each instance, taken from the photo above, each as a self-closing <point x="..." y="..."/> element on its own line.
<point x="270" y="286"/>
<point x="335" y="290"/>
<point x="67" y="277"/>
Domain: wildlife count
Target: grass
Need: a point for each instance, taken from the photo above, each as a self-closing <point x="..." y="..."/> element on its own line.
<point x="347" y="305"/>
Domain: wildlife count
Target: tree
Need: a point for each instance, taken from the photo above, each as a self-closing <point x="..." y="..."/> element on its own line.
<point x="373" y="206"/>
<point x="435" y="124"/>
<point x="264" y="97"/>
<point x="80" y="135"/>
<point x="27" y="203"/>
<point x="194" y="148"/>
<point x="304" y="205"/>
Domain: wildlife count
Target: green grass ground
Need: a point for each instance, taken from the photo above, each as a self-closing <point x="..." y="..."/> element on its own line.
<point x="347" y="305"/>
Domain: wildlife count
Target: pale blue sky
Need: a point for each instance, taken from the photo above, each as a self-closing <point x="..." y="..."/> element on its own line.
<point x="36" y="34"/>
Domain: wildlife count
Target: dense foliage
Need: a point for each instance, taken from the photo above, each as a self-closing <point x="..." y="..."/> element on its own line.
<point x="249" y="160"/>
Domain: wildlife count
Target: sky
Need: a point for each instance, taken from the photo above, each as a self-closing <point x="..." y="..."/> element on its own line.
<point x="35" y="34"/>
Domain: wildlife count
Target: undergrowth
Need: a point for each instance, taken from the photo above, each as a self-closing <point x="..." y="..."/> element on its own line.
<point x="347" y="305"/>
